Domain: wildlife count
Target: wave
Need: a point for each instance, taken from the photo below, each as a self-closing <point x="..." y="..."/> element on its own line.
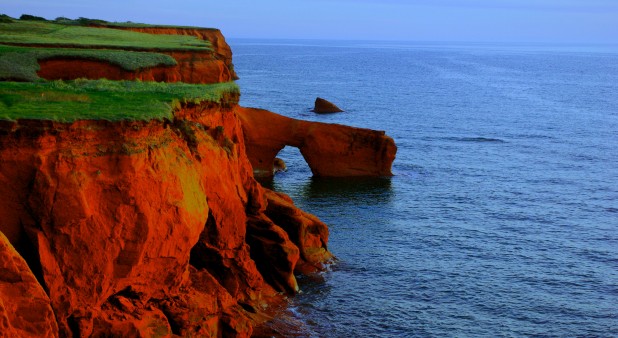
<point x="478" y="139"/>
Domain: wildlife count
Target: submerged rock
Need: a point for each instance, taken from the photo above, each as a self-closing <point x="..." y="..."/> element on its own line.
<point x="323" y="106"/>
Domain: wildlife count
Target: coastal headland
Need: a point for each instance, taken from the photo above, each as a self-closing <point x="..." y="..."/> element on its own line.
<point x="127" y="172"/>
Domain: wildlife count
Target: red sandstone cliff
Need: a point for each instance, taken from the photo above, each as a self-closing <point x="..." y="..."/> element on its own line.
<point x="150" y="227"/>
<point x="141" y="229"/>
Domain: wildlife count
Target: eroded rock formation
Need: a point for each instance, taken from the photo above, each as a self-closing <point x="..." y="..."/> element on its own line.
<point x="192" y="67"/>
<point x="323" y="106"/>
<point x="329" y="149"/>
<point x="142" y="227"/>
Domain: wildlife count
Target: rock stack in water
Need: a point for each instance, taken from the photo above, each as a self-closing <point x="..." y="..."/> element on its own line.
<point x="325" y="107"/>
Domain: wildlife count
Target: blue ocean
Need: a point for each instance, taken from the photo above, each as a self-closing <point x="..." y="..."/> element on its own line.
<point x="501" y="219"/>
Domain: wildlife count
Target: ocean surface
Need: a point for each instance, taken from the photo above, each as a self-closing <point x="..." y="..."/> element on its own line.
<point x="501" y="219"/>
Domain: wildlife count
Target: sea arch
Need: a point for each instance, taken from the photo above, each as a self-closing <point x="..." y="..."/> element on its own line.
<point x="330" y="150"/>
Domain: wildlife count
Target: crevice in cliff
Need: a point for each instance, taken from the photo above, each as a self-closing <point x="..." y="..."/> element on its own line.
<point x="274" y="254"/>
<point x="175" y="326"/>
<point x="73" y="326"/>
<point x="204" y="256"/>
<point x="29" y="251"/>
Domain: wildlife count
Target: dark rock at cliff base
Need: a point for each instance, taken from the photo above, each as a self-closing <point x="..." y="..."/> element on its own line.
<point x="325" y="107"/>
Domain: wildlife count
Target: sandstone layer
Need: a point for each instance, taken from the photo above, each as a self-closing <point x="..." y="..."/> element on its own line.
<point x="192" y="66"/>
<point x="221" y="49"/>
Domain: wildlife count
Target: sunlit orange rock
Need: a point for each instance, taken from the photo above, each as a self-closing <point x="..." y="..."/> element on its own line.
<point x="25" y="309"/>
<point x="306" y="231"/>
<point x="159" y="228"/>
<point x="275" y="254"/>
<point x="329" y="149"/>
<point x="142" y="227"/>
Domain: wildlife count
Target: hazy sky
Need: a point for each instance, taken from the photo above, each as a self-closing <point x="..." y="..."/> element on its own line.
<point x="419" y="20"/>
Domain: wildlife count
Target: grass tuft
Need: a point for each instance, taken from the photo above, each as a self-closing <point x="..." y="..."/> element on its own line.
<point x="6" y="19"/>
<point x="31" y="17"/>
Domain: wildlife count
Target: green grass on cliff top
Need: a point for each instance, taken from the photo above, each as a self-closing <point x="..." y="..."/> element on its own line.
<point x="96" y="22"/>
<point x="51" y="34"/>
<point x="21" y="63"/>
<point x="68" y="101"/>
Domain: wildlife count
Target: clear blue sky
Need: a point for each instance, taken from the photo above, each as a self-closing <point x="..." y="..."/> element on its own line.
<point x="559" y="21"/>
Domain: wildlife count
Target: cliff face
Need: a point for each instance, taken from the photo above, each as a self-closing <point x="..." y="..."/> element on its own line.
<point x="192" y="67"/>
<point x="145" y="227"/>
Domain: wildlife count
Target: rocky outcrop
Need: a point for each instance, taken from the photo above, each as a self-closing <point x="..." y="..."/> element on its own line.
<point x="306" y="231"/>
<point x="279" y="165"/>
<point x="323" y="106"/>
<point x="25" y="309"/>
<point x="147" y="228"/>
<point x="329" y="149"/>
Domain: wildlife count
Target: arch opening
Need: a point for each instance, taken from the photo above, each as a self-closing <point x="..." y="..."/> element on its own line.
<point x="296" y="170"/>
<point x="293" y="160"/>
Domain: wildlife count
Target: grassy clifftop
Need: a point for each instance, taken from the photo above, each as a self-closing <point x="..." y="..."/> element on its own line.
<point x="23" y="43"/>
<point x="45" y="33"/>
<point x="103" y="99"/>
